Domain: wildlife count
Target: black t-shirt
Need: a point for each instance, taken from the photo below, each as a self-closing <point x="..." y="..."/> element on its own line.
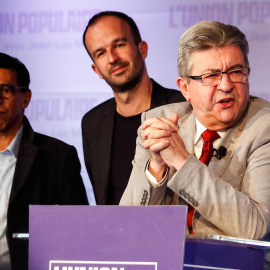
<point x="123" y="151"/>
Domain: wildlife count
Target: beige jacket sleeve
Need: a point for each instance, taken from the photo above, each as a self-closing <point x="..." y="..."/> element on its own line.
<point x="232" y="195"/>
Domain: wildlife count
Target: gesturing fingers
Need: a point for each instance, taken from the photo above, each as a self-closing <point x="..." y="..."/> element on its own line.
<point x="155" y="133"/>
<point x="156" y="145"/>
<point x="160" y="123"/>
<point x="154" y="128"/>
<point x="149" y="122"/>
<point x="171" y="123"/>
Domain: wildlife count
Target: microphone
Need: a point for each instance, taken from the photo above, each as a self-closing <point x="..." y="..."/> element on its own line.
<point x="221" y="152"/>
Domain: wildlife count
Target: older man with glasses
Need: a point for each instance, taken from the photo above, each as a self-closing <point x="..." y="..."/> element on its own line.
<point x="211" y="153"/>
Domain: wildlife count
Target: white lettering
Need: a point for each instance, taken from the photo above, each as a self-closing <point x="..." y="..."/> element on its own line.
<point x="85" y="268"/>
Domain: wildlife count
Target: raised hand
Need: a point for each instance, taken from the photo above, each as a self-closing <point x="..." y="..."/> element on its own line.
<point x="165" y="145"/>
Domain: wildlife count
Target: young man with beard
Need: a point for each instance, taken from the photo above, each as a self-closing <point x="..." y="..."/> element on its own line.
<point x="109" y="131"/>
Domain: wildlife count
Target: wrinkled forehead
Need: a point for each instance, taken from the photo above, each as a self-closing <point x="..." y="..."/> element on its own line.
<point x="216" y="59"/>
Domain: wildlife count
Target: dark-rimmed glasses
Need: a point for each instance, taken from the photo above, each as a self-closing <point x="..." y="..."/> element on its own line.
<point x="7" y="91"/>
<point x="214" y="78"/>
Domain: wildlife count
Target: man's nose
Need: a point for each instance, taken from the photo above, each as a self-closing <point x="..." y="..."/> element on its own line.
<point x="113" y="56"/>
<point x="225" y="84"/>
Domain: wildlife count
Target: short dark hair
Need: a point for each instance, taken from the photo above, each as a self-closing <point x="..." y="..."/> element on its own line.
<point x="134" y="28"/>
<point x="9" y="62"/>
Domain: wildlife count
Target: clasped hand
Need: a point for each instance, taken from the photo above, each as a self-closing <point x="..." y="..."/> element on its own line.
<point x="166" y="147"/>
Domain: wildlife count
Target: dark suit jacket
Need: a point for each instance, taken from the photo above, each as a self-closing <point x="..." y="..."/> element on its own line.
<point x="97" y="132"/>
<point x="47" y="172"/>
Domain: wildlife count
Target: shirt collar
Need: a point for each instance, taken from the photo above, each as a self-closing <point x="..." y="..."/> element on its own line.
<point x="200" y="128"/>
<point x="15" y="144"/>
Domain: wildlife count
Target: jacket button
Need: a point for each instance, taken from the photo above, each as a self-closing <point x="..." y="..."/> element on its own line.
<point x="182" y="192"/>
<point x="195" y="203"/>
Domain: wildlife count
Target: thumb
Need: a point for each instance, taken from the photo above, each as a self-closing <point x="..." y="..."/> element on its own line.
<point x="174" y="117"/>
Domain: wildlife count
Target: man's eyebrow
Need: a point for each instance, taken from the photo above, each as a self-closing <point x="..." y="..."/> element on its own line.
<point x="209" y="70"/>
<point x="236" y="66"/>
<point x="120" y="39"/>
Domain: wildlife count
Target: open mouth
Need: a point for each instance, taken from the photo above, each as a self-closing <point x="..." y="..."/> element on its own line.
<point x="226" y="100"/>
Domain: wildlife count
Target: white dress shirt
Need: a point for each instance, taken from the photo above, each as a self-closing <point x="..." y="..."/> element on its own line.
<point x="8" y="159"/>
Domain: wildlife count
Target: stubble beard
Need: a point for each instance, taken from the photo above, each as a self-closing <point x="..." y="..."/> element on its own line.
<point x="131" y="80"/>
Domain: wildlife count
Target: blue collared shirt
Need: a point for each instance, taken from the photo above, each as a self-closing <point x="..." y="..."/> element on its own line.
<point x="8" y="159"/>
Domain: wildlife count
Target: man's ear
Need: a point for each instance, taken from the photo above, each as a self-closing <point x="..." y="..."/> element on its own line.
<point x="94" y="67"/>
<point x="183" y="86"/>
<point x="143" y="47"/>
<point x="26" y="98"/>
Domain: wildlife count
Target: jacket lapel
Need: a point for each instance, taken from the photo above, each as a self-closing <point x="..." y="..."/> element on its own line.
<point x="105" y="146"/>
<point x="187" y="130"/>
<point x="26" y="156"/>
<point x="230" y="143"/>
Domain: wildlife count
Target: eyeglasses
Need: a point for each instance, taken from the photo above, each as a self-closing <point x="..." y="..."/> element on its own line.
<point x="7" y="91"/>
<point x="214" y="78"/>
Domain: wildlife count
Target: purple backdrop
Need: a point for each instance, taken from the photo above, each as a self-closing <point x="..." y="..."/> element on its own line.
<point x="47" y="37"/>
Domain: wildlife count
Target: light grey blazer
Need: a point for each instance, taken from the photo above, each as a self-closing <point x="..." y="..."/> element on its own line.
<point x="231" y="196"/>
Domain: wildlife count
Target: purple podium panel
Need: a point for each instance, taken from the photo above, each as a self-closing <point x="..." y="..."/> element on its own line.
<point x="206" y="251"/>
<point x="106" y="237"/>
<point x="222" y="256"/>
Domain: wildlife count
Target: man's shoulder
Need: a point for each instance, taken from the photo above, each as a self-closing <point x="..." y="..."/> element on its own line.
<point x="32" y="137"/>
<point x="259" y="103"/>
<point x="99" y="109"/>
<point x="255" y="126"/>
<point x="258" y="111"/>
<point x="172" y="95"/>
<point x="48" y="142"/>
<point x="46" y="146"/>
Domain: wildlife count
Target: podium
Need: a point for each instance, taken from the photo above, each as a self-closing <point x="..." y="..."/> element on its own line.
<point x="131" y="238"/>
<point x="106" y="237"/>
<point x="203" y="251"/>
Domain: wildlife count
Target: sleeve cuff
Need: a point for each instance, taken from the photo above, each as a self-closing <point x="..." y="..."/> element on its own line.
<point x="152" y="180"/>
